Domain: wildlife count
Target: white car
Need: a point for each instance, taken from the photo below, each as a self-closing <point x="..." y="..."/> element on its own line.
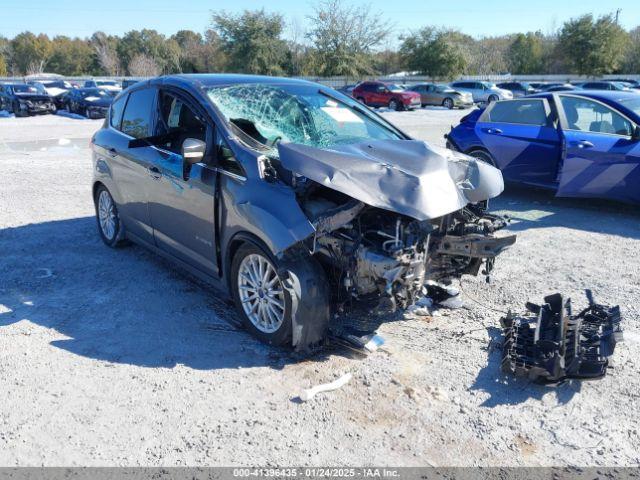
<point x="110" y="85"/>
<point x="482" y="92"/>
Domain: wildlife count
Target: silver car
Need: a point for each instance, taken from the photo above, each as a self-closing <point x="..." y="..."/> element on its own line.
<point x="483" y="92"/>
<point x="435" y="94"/>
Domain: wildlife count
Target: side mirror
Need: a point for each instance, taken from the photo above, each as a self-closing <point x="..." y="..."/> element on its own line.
<point x="636" y="134"/>
<point x="193" y="150"/>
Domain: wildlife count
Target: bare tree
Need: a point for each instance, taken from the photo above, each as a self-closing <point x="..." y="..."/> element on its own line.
<point x="106" y="53"/>
<point x="36" y="67"/>
<point x="344" y="37"/>
<point x="143" y="66"/>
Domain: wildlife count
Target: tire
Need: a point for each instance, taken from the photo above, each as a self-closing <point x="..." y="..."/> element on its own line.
<point x="109" y="224"/>
<point x="493" y="98"/>
<point x="483" y="156"/>
<point x="16" y="110"/>
<point x="361" y="100"/>
<point x="394" y="105"/>
<point x="448" y="103"/>
<point x="265" y="311"/>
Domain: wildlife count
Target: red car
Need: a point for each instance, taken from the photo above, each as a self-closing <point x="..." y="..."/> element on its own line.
<point x="379" y="94"/>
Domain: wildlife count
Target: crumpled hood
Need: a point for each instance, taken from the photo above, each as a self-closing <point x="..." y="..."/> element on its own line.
<point x="404" y="176"/>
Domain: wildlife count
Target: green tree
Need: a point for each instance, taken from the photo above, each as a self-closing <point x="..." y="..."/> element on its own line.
<point x="4" y="55"/>
<point x="593" y="47"/>
<point x="632" y="57"/>
<point x="71" y="56"/>
<point x="252" y="41"/>
<point x="30" y="52"/>
<point x="191" y="47"/>
<point x="525" y="53"/>
<point x="344" y="37"/>
<point x="164" y="52"/>
<point x="434" y="52"/>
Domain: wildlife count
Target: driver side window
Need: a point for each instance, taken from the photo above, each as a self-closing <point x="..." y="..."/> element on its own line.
<point x="589" y="116"/>
<point x="178" y="122"/>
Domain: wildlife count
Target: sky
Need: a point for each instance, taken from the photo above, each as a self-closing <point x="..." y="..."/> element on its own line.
<point x="474" y="17"/>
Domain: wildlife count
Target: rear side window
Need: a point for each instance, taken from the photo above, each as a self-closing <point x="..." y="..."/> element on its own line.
<point x="527" y="112"/>
<point x="117" y="108"/>
<point x="136" y="120"/>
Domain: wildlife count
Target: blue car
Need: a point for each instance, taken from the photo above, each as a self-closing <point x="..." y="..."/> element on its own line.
<point x="581" y="144"/>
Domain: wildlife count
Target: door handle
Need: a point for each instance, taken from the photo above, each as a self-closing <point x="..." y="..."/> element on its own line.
<point x="155" y="173"/>
<point x="113" y="153"/>
<point x="492" y="131"/>
<point x="582" y="144"/>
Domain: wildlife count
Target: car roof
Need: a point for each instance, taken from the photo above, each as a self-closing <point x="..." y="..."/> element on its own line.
<point x="602" y="95"/>
<point x="214" y="79"/>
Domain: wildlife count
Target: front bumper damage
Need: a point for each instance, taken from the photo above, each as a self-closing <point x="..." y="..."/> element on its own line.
<point x="384" y="229"/>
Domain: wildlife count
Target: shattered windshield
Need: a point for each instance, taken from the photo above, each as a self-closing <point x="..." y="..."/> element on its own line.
<point x="269" y="114"/>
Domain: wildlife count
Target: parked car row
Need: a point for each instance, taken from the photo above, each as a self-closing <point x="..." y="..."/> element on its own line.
<point x="90" y="98"/>
<point x="407" y="97"/>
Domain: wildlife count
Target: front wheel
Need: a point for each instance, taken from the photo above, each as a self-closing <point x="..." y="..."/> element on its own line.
<point x="109" y="224"/>
<point x="483" y="156"/>
<point x="447" y="103"/>
<point x="261" y="299"/>
<point x="394" y="104"/>
<point x="493" y="98"/>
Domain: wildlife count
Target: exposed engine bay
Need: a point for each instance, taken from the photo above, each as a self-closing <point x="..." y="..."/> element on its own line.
<point x="382" y="259"/>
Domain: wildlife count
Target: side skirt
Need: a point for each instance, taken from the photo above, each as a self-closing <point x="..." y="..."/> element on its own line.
<point x="210" y="280"/>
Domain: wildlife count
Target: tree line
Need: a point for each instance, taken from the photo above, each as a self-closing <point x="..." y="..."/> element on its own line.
<point x="340" y="40"/>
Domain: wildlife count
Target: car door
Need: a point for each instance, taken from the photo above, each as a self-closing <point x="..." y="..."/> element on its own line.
<point x="522" y="138"/>
<point x="602" y="154"/>
<point x="132" y="167"/>
<point x="429" y="95"/>
<point x="182" y="199"/>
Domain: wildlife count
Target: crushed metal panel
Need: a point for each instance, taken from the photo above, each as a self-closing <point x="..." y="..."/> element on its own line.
<point x="403" y="176"/>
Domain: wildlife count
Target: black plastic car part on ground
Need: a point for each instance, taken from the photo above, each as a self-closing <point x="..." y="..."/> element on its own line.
<point x="550" y="344"/>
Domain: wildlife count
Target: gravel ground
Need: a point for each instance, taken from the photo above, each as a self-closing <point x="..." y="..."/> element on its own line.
<point x="116" y="358"/>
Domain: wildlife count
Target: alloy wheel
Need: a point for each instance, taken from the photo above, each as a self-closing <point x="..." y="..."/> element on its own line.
<point x="107" y="215"/>
<point x="448" y="103"/>
<point x="261" y="293"/>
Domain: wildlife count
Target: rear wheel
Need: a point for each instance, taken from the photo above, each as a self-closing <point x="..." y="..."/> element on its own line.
<point x="447" y="103"/>
<point x="109" y="224"/>
<point x="261" y="299"/>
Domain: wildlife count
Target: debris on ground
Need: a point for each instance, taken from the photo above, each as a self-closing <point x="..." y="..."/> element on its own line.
<point x="308" y="394"/>
<point x="444" y="295"/>
<point x="550" y="344"/>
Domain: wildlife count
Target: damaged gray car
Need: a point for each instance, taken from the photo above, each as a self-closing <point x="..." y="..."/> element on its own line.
<point x="316" y="215"/>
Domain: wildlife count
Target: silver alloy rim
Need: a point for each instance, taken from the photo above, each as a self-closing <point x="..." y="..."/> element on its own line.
<point x="107" y="214"/>
<point x="261" y="293"/>
<point x="448" y="103"/>
<point x="393" y="105"/>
